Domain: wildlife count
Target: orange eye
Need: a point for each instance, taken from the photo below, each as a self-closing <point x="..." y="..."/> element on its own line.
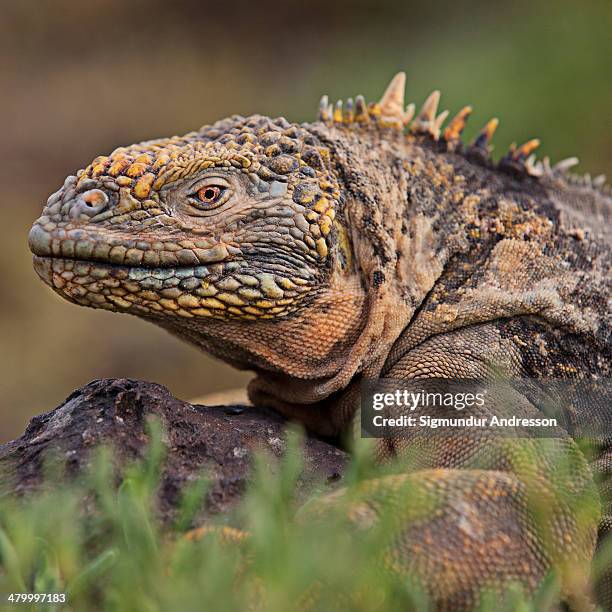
<point x="209" y="194"/>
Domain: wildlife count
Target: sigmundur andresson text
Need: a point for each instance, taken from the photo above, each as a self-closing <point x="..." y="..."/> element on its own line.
<point x="380" y="420"/>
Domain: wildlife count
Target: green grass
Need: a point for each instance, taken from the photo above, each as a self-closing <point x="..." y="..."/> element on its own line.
<point x="106" y="549"/>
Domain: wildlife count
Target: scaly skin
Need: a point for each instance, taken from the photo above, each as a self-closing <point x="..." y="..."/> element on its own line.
<point x="321" y="254"/>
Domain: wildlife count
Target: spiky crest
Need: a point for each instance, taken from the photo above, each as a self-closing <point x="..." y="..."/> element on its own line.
<point x="392" y="102"/>
<point x="390" y="113"/>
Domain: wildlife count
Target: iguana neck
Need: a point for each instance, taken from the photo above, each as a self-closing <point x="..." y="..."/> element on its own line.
<point x="311" y="345"/>
<point x="396" y="256"/>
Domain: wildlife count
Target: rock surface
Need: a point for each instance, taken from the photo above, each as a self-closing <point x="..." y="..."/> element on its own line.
<point x="217" y="440"/>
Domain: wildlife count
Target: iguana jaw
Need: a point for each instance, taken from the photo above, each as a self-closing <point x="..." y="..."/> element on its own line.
<point x="197" y="282"/>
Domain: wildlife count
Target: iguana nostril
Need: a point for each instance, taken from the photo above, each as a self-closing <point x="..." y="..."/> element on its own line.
<point x="94" y="198"/>
<point x="89" y="203"/>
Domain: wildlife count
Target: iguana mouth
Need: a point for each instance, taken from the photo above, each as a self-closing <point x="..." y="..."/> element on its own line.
<point x="93" y="262"/>
<point x="119" y="270"/>
<point x="80" y="245"/>
<point x="39" y="259"/>
<point x="60" y="272"/>
<point x="219" y="290"/>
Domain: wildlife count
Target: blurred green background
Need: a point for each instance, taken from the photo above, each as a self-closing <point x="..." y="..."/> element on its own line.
<point x="80" y="78"/>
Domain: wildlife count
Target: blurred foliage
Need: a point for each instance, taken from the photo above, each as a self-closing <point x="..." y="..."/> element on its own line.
<point x="104" y="547"/>
<point x="80" y="78"/>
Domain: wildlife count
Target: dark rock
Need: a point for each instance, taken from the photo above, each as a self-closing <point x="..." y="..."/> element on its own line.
<point x="216" y="440"/>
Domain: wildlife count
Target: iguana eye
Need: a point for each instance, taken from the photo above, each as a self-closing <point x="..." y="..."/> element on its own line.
<point x="209" y="196"/>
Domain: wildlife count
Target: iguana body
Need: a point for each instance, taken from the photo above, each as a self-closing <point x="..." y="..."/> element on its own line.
<point x="321" y="254"/>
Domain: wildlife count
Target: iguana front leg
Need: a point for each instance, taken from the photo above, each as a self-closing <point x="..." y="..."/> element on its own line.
<point x="477" y="511"/>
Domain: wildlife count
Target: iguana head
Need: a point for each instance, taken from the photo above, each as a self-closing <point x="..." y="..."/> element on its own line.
<point x="234" y="221"/>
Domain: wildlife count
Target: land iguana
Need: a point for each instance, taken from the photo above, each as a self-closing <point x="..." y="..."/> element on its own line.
<point x="371" y="243"/>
